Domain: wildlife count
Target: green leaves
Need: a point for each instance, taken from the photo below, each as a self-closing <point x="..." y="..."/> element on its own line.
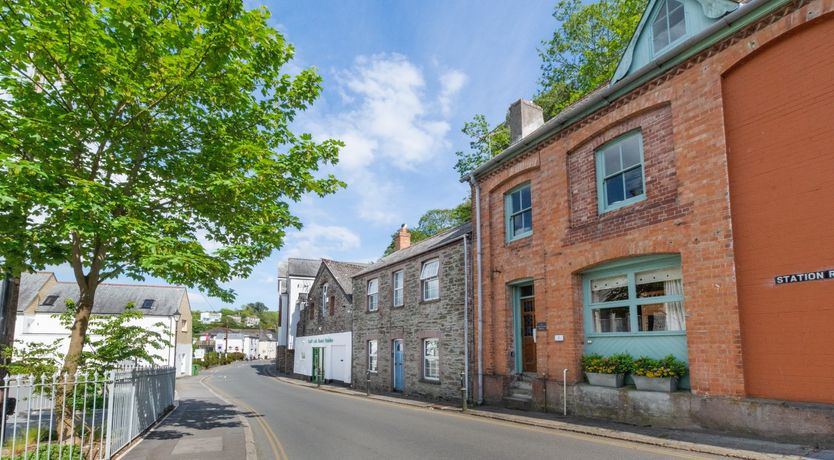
<point x="484" y="143"/>
<point x="585" y="49"/>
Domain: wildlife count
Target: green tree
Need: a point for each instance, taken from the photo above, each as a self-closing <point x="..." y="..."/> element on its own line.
<point x="435" y="221"/>
<point x="256" y="307"/>
<point x="585" y="49"/>
<point x="484" y="143"/>
<point x="157" y="129"/>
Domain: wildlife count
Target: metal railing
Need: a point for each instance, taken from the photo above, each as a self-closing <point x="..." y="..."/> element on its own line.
<point x="85" y="416"/>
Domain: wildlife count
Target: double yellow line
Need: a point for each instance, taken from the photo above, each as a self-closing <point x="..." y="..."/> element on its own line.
<point x="271" y="437"/>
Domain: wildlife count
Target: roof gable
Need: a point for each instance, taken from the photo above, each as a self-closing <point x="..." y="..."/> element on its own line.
<point x="341" y="272"/>
<point x="699" y="14"/>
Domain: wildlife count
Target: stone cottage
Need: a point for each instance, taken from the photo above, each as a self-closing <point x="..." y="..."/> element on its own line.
<point x="412" y="318"/>
<point x="323" y="340"/>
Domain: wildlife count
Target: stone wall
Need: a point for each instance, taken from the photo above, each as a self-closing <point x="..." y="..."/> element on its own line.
<point x="413" y="322"/>
<point x="334" y="317"/>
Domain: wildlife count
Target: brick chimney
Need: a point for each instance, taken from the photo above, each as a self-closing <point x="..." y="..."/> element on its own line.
<point x="403" y="238"/>
<point x="525" y="117"/>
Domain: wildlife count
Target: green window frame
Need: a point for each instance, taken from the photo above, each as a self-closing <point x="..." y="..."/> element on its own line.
<point x="518" y="212"/>
<point x="621" y="175"/>
<point x="636" y="297"/>
<point x="668" y="26"/>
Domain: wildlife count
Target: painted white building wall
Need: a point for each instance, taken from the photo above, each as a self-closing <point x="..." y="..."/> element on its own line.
<point x="210" y="317"/>
<point x="289" y="321"/>
<point x="266" y="349"/>
<point x="337" y="355"/>
<point x="45" y="328"/>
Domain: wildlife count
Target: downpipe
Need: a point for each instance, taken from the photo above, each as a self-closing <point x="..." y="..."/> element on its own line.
<point x="479" y="289"/>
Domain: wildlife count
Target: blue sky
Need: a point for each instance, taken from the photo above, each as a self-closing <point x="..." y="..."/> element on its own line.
<point x="400" y="79"/>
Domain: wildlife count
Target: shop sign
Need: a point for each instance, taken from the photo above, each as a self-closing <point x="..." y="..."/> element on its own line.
<point x="324" y="340"/>
<point x="806" y="276"/>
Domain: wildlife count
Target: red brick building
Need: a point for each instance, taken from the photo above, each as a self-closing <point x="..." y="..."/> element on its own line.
<point x="657" y="216"/>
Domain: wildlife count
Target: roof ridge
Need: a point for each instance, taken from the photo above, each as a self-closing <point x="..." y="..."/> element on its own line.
<point x="167" y="286"/>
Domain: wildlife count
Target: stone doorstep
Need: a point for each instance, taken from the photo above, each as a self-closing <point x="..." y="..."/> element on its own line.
<point x="587" y="430"/>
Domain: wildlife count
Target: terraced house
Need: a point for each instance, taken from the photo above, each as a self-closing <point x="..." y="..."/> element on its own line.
<point x="669" y="212"/>
<point x="412" y="318"/>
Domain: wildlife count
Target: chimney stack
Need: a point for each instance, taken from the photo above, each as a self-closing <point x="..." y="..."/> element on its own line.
<point x="403" y="238"/>
<point x="525" y="117"/>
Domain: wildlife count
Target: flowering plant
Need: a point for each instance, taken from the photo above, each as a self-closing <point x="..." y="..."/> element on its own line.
<point x="668" y="366"/>
<point x="614" y="364"/>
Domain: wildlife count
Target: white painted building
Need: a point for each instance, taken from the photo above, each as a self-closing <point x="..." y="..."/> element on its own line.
<point x="267" y="344"/>
<point x="333" y="352"/>
<point x="233" y="341"/>
<point x="209" y="317"/>
<point x="165" y="309"/>
<point x="252" y="321"/>
<point x="295" y="284"/>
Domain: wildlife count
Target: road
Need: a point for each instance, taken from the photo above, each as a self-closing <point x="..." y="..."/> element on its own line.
<point x="295" y="422"/>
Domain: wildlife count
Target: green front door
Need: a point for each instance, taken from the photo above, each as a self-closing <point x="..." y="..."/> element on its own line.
<point x="318" y="365"/>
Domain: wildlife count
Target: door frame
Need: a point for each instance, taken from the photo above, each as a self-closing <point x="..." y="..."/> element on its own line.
<point x="518" y="338"/>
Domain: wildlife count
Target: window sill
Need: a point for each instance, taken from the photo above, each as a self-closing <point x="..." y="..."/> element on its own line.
<point x="429" y="302"/>
<point x="622" y="204"/>
<point x="372" y="311"/>
<point x="430" y="381"/>
<point x="517" y="238"/>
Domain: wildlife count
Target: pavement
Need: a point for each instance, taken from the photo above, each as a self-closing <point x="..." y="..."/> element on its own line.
<point x="202" y="426"/>
<point x="210" y="424"/>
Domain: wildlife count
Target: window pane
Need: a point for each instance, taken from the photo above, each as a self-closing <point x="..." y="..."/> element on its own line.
<point x="651" y="317"/>
<point x="398" y="280"/>
<point x="677" y="22"/>
<point x="609" y="289"/>
<point x="516" y="200"/>
<point x="611" y="157"/>
<point x="525" y="198"/>
<point x="634" y="182"/>
<point x="656" y="283"/>
<point x="373" y="286"/>
<point x="661" y="36"/>
<point x="526" y="291"/>
<point x="527" y="221"/>
<point x="631" y="150"/>
<point x="518" y="224"/>
<point x="614" y="190"/>
<point x="611" y="319"/>
<point x="429" y="269"/>
<point x="431" y="289"/>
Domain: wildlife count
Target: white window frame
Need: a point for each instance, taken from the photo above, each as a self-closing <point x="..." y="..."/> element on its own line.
<point x="427" y="359"/>
<point x="429" y="277"/>
<point x="398" y="292"/>
<point x="373" y="294"/>
<point x="324" y="303"/>
<point x="373" y="356"/>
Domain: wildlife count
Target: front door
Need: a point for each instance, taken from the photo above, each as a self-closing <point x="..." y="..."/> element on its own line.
<point x="318" y="365"/>
<point x="525" y="330"/>
<point x="397" y="350"/>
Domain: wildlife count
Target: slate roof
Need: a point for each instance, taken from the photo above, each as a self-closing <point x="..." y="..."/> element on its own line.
<point x="343" y="272"/>
<point x="303" y="267"/>
<point x="113" y="298"/>
<point x="30" y="285"/>
<point x="439" y="240"/>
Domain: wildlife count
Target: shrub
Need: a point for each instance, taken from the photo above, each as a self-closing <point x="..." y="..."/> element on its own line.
<point x="615" y="364"/>
<point x="668" y="366"/>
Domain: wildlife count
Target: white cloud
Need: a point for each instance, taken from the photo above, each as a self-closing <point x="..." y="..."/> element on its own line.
<point x="392" y="122"/>
<point x="315" y="240"/>
<point x="451" y="83"/>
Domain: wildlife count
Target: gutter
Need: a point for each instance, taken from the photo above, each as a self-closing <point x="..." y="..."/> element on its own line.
<point x="727" y="25"/>
<point x="479" y="287"/>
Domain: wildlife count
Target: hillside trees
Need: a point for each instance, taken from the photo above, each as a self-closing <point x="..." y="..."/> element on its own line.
<point x="159" y="134"/>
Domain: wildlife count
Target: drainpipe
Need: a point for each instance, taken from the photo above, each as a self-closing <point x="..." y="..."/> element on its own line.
<point x="465" y="386"/>
<point x="479" y="288"/>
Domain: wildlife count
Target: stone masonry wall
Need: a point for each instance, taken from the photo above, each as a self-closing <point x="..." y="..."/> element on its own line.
<point x="414" y="321"/>
<point x="324" y="322"/>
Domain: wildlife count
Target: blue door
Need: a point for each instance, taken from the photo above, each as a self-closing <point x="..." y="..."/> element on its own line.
<point x="397" y="347"/>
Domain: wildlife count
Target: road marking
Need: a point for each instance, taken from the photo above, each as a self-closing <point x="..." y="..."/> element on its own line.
<point x="599" y="439"/>
<point x="271" y="437"/>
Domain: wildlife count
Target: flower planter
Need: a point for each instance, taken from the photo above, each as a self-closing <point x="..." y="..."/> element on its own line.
<point x="666" y="384"/>
<point x="605" y="380"/>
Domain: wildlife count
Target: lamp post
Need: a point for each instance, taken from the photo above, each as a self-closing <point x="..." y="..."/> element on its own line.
<point x="176" y="317"/>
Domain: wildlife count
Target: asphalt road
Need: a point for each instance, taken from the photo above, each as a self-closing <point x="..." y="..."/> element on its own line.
<point x="294" y="422"/>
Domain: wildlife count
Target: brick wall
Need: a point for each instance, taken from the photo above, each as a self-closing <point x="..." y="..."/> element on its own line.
<point x="413" y="322"/>
<point x="687" y="212"/>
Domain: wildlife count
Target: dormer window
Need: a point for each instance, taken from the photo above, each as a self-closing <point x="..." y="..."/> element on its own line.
<point x="50" y="300"/>
<point x="147" y="304"/>
<point x="669" y="25"/>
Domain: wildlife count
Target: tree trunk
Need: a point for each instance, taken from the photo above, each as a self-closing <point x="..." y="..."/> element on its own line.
<point x="10" y="319"/>
<point x="78" y="333"/>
